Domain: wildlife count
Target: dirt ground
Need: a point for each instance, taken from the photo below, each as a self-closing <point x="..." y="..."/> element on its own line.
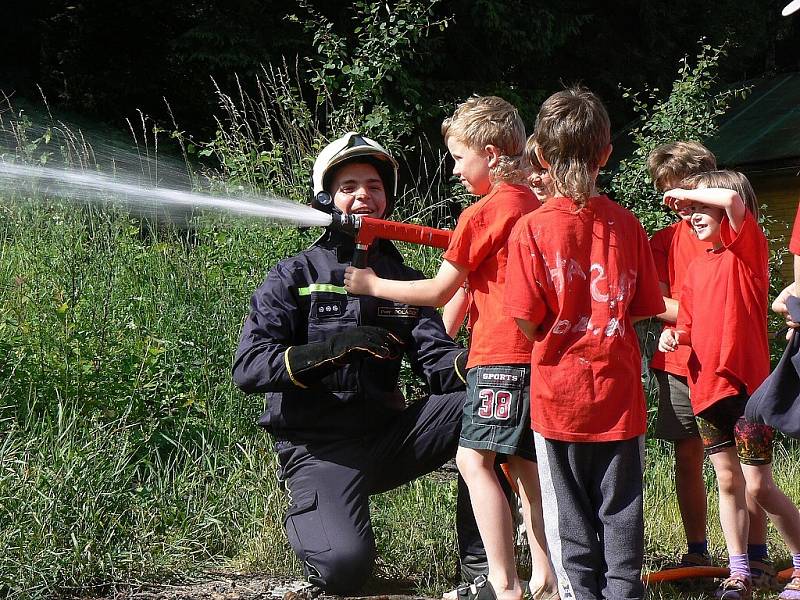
<point x="232" y="586"/>
<point x="240" y="586"/>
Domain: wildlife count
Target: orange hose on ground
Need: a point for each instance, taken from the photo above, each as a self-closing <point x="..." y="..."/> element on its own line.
<point x="684" y="573"/>
<point x="697" y="572"/>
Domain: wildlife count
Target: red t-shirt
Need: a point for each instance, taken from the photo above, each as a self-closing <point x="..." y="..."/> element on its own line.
<point x="794" y="243"/>
<point x="724" y="311"/>
<point x="479" y="244"/>
<point x="581" y="275"/>
<point x="674" y="247"/>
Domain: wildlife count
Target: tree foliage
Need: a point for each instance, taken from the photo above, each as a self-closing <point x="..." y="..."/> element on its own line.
<point x="690" y="111"/>
<point x="267" y="138"/>
<point x="109" y="59"/>
<point x="353" y="73"/>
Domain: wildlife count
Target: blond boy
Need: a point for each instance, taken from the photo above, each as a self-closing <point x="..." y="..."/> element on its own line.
<point x="486" y="137"/>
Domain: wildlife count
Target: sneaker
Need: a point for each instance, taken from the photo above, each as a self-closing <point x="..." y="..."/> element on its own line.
<point x="735" y="587"/>
<point x="694" y="559"/>
<point x="792" y="589"/>
<point x="763" y="576"/>
<point x="693" y="584"/>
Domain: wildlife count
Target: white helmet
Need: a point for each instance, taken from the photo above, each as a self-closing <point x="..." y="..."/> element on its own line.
<point x="348" y="147"/>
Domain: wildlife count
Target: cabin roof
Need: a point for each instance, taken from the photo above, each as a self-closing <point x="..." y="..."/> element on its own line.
<point x="764" y="128"/>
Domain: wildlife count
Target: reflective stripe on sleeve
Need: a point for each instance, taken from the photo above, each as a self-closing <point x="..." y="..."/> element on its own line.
<point x="461" y="376"/>
<point x="289" y="369"/>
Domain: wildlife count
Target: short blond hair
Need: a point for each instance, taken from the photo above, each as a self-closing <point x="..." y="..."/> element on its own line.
<point x="672" y="163"/>
<point x="482" y="121"/>
<point x="729" y="180"/>
<point x="573" y="133"/>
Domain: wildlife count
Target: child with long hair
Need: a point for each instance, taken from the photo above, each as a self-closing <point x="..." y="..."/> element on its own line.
<point x="722" y="316"/>
<point x="579" y="272"/>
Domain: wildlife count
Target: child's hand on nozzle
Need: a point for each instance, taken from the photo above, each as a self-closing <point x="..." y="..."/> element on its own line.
<point x="359" y="281"/>
<point x="668" y="342"/>
<point x="676" y="199"/>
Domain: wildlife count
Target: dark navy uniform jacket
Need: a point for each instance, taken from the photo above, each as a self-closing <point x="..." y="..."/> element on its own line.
<point x="303" y="301"/>
<point x="776" y="402"/>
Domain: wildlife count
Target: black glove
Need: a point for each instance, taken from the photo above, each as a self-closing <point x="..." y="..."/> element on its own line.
<point x="316" y="360"/>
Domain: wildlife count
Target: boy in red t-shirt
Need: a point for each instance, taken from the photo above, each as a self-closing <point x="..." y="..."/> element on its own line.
<point x="539" y="181"/>
<point x="722" y="317"/>
<point x="580" y="271"/>
<point x="674" y="248"/>
<point x="486" y="137"/>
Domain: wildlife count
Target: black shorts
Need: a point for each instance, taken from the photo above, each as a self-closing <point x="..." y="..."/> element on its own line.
<point x="497" y="411"/>
<point x="722" y="425"/>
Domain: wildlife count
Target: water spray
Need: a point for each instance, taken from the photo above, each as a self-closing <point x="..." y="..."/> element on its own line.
<point x="91" y="187"/>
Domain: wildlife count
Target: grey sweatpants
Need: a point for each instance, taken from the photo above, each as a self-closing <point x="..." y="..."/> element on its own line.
<point x="593" y="514"/>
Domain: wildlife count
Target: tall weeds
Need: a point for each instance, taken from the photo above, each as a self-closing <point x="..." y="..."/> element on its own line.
<point x="126" y="454"/>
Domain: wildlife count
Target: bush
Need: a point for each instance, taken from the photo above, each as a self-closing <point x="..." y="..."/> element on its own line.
<point x="691" y="111"/>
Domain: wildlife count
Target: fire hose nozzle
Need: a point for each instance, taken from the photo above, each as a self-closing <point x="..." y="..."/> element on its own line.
<point x="349" y="224"/>
<point x="367" y="229"/>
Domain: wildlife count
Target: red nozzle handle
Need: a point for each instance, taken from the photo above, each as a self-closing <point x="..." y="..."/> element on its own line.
<point x="371" y="228"/>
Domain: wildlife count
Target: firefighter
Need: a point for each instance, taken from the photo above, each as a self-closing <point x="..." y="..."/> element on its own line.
<point x="329" y="365"/>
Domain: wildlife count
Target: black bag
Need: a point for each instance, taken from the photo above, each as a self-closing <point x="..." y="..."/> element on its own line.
<point x="776" y="402"/>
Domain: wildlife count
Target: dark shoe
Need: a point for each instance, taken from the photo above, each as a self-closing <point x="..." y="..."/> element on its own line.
<point x="694" y="559"/>
<point x="735" y="587"/>
<point x="764" y="576"/>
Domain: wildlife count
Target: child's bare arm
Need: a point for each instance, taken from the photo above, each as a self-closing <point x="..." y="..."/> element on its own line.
<point x="454" y="312"/>
<point x="422" y="292"/>
<point x="779" y="305"/>
<point x="670" y="315"/>
<point x="796" y="290"/>
<point x="719" y="197"/>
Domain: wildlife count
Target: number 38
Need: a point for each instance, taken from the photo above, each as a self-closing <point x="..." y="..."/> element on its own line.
<point x="494" y="404"/>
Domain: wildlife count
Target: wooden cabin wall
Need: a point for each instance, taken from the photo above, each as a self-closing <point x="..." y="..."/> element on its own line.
<point x="779" y="191"/>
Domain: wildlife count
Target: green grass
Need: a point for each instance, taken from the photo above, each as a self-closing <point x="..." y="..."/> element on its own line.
<point x="127" y="455"/>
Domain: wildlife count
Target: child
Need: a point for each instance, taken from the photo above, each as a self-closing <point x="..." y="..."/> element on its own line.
<point x="538" y="177"/>
<point x="580" y="271"/>
<point x="674" y="248"/>
<point x="540" y="183"/>
<point x="723" y="318"/>
<point x="485" y="136"/>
